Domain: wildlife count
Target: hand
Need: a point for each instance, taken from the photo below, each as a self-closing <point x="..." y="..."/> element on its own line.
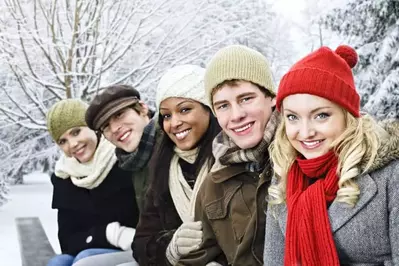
<point x="187" y="238"/>
<point x="120" y="236"/>
<point x="213" y="263"/>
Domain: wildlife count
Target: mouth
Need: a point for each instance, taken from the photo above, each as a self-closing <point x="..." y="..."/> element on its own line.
<point x="311" y="144"/>
<point x="182" y="134"/>
<point x="124" y="136"/>
<point x="80" y="151"/>
<point x="242" y="130"/>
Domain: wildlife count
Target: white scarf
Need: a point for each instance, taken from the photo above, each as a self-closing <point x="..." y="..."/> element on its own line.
<point x="91" y="174"/>
<point x="182" y="195"/>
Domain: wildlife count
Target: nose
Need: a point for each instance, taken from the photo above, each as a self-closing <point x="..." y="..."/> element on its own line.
<point x="73" y="142"/>
<point x="237" y="113"/>
<point x="306" y="130"/>
<point x="175" y="121"/>
<point x="114" y="126"/>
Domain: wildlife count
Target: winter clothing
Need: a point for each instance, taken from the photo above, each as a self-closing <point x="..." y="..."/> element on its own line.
<point x="187" y="238"/>
<point x="94" y="171"/>
<point x="83" y="214"/>
<point x="64" y="115"/>
<point x="237" y="62"/>
<point x="309" y="237"/>
<point x="69" y="260"/>
<point x="324" y="73"/>
<point x="231" y="202"/>
<point x="366" y="233"/>
<point x="185" y="81"/>
<point x="111" y="259"/>
<point x="155" y="230"/>
<point x="109" y="102"/>
<point x="183" y="195"/>
<point x="119" y="236"/>
<point x="137" y="161"/>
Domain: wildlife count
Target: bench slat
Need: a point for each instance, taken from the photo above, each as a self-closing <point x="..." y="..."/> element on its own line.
<point x="35" y="247"/>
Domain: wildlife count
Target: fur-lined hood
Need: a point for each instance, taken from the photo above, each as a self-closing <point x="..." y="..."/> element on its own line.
<point x="389" y="148"/>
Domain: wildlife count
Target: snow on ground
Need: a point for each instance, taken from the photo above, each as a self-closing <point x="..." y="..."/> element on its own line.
<point x="33" y="198"/>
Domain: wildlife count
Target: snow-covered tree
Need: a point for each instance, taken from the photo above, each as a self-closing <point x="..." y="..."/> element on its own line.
<point x="53" y="49"/>
<point x="372" y="27"/>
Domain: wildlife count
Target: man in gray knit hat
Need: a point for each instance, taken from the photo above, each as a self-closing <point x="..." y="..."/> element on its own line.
<point x="231" y="202"/>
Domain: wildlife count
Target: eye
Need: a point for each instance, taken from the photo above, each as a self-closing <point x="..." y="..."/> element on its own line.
<point x="119" y="114"/>
<point x="322" y="116"/>
<point x="221" y="106"/>
<point x="61" y="142"/>
<point x="165" y="116"/>
<point x="246" y="99"/>
<point x="75" y="132"/>
<point x="291" y="117"/>
<point x="105" y="127"/>
<point x="185" y="110"/>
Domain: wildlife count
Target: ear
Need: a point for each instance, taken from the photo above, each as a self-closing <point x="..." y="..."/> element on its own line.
<point x="274" y="102"/>
<point x="145" y="109"/>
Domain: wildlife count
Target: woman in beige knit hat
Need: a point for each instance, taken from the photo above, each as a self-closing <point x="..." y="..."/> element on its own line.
<point x="96" y="211"/>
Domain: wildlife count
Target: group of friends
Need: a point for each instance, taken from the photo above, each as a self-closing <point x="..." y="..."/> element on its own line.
<point x="228" y="170"/>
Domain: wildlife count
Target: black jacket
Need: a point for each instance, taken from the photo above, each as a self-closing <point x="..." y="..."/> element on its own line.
<point x="83" y="214"/>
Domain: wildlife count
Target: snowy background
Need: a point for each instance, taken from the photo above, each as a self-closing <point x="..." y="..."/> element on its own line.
<point x="51" y="50"/>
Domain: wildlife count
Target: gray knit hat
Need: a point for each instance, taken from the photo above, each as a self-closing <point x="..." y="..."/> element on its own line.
<point x="65" y="115"/>
<point x="186" y="81"/>
<point x="238" y="62"/>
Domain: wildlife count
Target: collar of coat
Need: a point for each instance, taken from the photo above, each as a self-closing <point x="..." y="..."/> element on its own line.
<point x="389" y="148"/>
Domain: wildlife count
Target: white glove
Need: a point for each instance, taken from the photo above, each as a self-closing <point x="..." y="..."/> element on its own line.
<point x="120" y="236"/>
<point x="187" y="238"/>
<point x="213" y="263"/>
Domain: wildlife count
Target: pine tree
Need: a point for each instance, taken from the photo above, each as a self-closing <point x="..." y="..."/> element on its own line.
<point x="372" y="28"/>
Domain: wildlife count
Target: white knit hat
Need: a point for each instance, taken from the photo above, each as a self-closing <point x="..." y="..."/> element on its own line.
<point x="186" y="81"/>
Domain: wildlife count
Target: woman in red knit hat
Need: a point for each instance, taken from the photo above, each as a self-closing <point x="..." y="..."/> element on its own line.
<point x="335" y="194"/>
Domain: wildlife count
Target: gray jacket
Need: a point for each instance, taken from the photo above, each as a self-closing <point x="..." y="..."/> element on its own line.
<point x="367" y="234"/>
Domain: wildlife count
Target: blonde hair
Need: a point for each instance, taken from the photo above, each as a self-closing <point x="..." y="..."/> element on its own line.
<point x="356" y="149"/>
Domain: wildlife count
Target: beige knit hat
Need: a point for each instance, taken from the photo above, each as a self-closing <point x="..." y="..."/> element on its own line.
<point x="64" y="115"/>
<point x="237" y="62"/>
<point x="186" y="81"/>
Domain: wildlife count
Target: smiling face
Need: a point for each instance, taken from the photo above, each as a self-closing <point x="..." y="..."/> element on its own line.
<point x="125" y="128"/>
<point x="312" y="123"/>
<point x="79" y="142"/>
<point x="243" y="111"/>
<point x="185" y="121"/>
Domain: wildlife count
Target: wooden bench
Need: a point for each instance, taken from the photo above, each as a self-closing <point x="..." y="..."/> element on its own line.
<point x="35" y="247"/>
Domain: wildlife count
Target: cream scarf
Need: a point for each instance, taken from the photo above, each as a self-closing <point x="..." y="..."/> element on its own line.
<point x="182" y="195"/>
<point x="91" y="174"/>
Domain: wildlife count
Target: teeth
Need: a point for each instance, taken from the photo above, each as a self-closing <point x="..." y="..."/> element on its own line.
<point x="124" y="136"/>
<point x="311" y="143"/>
<point x="183" y="134"/>
<point x="243" y="128"/>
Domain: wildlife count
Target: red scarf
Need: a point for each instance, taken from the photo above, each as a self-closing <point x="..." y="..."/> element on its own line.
<point x="309" y="240"/>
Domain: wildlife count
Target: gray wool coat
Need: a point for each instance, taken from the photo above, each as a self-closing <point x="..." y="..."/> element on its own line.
<point x="367" y="234"/>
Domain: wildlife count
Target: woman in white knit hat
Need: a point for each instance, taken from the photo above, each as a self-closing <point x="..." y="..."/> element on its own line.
<point x="166" y="230"/>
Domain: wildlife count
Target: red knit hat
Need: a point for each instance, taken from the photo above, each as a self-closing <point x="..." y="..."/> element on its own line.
<point x="324" y="73"/>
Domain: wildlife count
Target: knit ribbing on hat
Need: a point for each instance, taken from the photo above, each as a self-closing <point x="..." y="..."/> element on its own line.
<point x="185" y="81"/>
<point x="323" y="73"/>
<point x="238" y="62"/>
<point x="65" y="115"/>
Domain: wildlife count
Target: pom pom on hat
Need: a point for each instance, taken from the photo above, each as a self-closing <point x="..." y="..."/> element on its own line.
<point x="348" y="54"/>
